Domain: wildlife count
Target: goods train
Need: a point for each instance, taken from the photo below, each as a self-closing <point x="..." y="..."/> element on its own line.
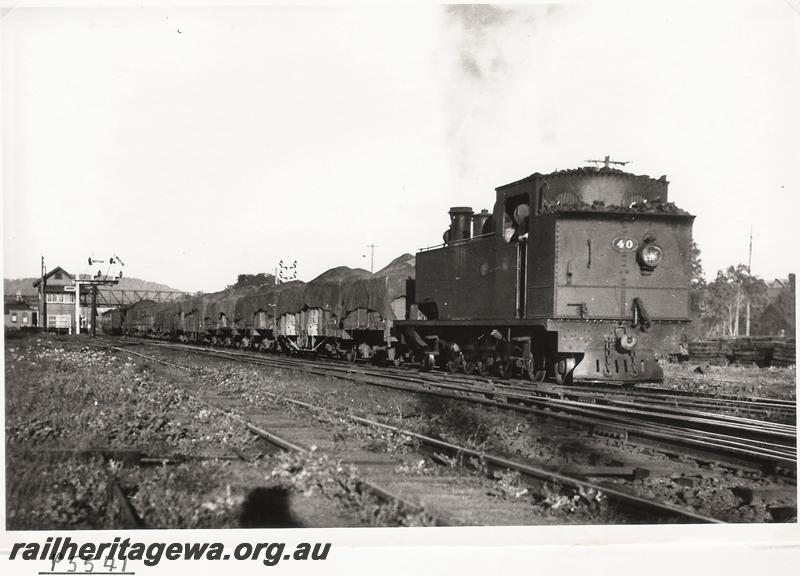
<point x="576" y="274"/>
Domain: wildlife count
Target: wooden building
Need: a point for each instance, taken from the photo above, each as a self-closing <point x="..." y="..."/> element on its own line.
<point x="19" y="313"/>
<point x="59" y="294"/>
<point x="778" y="317"/>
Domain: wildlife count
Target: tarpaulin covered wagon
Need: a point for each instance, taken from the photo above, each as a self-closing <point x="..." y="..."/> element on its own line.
<point x="342" y="312"/>
<point x="140" y="318"/>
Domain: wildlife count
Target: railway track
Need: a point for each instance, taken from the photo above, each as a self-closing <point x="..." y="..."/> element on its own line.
<point x="725" y="440"/>
<point x="453" y="498"/>
<point x="767" y="408"/>
<point x="644" y="393"/>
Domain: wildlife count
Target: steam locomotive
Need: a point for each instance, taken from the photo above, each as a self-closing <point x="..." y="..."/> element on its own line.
<point x="577" y="274"/>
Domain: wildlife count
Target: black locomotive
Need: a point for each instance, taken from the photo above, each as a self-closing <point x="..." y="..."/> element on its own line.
<point x="577" y="274"/>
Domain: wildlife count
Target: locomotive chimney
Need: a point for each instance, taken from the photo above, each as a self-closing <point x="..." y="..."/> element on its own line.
<point x="460" y="217"/>
<point x="478" y="220"/>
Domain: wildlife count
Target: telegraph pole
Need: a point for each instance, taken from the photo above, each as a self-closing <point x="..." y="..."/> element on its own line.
<point x="372" y="257"/>
<point x="77" y="306"/>
<point x="43" y="308"/>
<point x="749" y="273"/>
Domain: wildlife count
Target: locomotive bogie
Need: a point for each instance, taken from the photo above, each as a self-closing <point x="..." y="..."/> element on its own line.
<point x="483" y="348"/>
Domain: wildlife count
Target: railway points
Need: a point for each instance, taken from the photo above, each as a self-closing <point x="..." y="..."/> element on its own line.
<point x="439" y="495"/>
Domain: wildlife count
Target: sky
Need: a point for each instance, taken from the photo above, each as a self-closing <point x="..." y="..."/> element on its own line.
<point x="198" y="143"/>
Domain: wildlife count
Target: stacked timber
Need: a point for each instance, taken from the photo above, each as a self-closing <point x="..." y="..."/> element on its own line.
<point x="746" y="351"/>
<point x="761" y="351"/>
<point x="712" y="351"/>
<point x="784" y="354"/>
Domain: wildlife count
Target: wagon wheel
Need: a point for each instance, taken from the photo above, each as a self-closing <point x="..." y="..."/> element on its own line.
<point x="483" y="367"/>
<point x="428" y="362"/>
<point x="351" y="355"/>
<point x="564" y="368"/>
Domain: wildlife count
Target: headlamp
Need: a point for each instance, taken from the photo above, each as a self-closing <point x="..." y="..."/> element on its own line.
<point x="652" y="255"/>
<point x="649" y="254"/>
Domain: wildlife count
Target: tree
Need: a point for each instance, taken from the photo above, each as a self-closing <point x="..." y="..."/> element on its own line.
<point x="725" y="300"/>
<point x="259" y="279"/>
<point x="718" y="312"/>
<point x="697" y="280"/>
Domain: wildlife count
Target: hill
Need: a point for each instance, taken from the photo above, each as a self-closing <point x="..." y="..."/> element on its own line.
<point x="25" y="285"/>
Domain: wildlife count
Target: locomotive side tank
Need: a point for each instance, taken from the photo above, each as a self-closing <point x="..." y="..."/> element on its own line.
<point x="579" y="273"/>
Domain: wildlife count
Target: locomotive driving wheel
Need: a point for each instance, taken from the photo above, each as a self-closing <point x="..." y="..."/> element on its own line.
<point x="428" y="362"/>
<point x="468" y="365"/>
<point x="504" y="368"/>
<point x="535" y="370"/>
<point x="455" y="363"/>
<point x="484" y="366"/>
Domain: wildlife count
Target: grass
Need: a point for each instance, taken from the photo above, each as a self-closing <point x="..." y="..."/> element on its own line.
<point x="64" y="396"/>
<point x="770" y="382"/>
